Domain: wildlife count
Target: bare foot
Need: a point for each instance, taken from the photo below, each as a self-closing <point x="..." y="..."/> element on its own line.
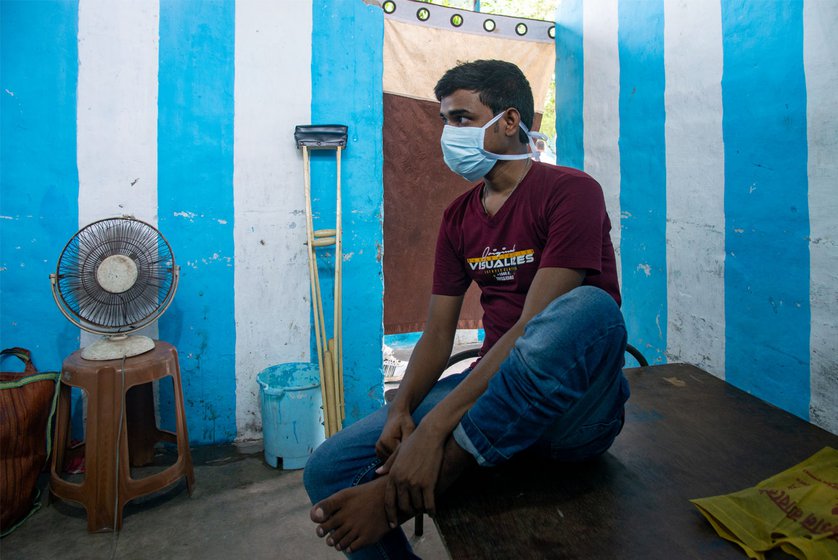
<point x="353" y="518"/>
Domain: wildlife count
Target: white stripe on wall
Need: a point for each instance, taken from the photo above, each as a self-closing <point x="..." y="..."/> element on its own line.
<point x="820" y="45"/>
<point x="695" y="233"/>
<point x="272" y="95"/>
<point x="117" y="113"/>
<point x="601" y="106"/>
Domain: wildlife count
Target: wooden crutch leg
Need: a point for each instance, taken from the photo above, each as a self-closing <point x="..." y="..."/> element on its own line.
<point x="338" y="327"/>
<point x="316" y="302"/>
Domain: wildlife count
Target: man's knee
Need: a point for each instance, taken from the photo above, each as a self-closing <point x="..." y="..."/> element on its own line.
<point x="585" y="302"/>
<point x="577" y="325"/>
<point x="581" y="311"/>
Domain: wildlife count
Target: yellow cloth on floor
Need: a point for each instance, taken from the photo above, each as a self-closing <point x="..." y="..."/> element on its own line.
<point x="796" y="510"/>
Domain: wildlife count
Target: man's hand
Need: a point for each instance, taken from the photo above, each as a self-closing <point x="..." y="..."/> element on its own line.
<point x="398" y="428"/>
<point x="412" y="475"/>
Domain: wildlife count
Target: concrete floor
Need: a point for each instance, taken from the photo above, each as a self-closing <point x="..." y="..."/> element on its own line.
<point x="240" y="508"/>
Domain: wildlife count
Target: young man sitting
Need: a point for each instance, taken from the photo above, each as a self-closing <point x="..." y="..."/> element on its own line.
<point x="535" y="238"/>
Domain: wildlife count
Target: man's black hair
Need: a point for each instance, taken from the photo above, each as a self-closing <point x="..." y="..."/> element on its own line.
<point x="499" y="86"/>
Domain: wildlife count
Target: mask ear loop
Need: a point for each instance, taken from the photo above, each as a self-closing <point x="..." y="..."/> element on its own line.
<point x="531" y="136"/>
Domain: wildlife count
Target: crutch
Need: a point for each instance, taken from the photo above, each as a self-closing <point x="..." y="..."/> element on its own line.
<point x="329" y="351"/>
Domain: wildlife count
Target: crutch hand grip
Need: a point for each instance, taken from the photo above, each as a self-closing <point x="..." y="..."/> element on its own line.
<point x="320" y="135"/>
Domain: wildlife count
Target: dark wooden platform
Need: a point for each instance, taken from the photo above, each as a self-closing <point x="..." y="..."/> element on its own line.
<point x="687" y="435"/>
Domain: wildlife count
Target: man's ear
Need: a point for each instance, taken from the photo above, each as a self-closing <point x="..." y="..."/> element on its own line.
<point x="511" y="119"/>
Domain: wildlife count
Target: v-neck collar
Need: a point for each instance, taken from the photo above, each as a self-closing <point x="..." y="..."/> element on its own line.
<point x="504" y="208"/>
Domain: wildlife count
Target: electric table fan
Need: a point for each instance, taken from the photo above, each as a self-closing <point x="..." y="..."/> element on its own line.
<point x="114" y="277"/>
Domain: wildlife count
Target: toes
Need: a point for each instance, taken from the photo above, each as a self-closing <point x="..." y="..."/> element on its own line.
<point x="338" y="536"/>
<point x="322" y="511"/>
<point x="328" y="526"/>
<point x="346" y="542"/>
<point x="334" y="527"/>
<point x="325" y="528"/>
<point x="317" y="514"/>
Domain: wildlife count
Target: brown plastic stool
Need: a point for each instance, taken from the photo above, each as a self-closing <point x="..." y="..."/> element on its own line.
<point x="104" y="491"/>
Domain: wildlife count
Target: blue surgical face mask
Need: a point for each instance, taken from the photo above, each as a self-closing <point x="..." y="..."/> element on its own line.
<point x="462" y="149"/>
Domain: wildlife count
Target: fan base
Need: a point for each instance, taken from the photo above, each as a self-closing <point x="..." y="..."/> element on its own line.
<point x="117" y="348"/>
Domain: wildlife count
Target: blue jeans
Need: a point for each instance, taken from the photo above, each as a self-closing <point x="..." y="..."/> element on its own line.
<point x="560" y="393"/>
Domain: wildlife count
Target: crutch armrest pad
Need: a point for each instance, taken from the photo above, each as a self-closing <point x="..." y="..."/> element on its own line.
<point x="320" y="135"/>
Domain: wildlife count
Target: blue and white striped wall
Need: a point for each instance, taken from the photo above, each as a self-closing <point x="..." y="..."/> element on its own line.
<point x="713" y="128"/>
<point x="182" y="114"/>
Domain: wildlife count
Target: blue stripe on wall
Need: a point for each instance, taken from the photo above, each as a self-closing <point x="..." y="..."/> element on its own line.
<point x="356" y="67"/>
<point x="766" y="202"/>
<point x="195" y="206"/>
<point x="38" y="176"/>
<point x="643" y="174"/>
<point x="570" y="80"/>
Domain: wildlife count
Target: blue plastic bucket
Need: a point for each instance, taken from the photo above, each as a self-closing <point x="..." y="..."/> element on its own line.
<point x="292" y="413"/>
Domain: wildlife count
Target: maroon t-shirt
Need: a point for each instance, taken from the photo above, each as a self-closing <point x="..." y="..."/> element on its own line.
<point x="555" y="218"/>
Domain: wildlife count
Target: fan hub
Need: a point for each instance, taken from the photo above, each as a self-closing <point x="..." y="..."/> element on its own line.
<point x="117" y="274"/>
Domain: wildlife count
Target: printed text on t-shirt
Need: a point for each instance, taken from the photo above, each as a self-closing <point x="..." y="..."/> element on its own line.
<point x="501" y="263"/>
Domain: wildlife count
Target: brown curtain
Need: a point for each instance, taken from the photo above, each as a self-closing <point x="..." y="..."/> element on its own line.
<point x="417" y="188"/>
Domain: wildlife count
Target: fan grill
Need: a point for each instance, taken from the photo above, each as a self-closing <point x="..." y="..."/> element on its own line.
<point x="131" y="309"/>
